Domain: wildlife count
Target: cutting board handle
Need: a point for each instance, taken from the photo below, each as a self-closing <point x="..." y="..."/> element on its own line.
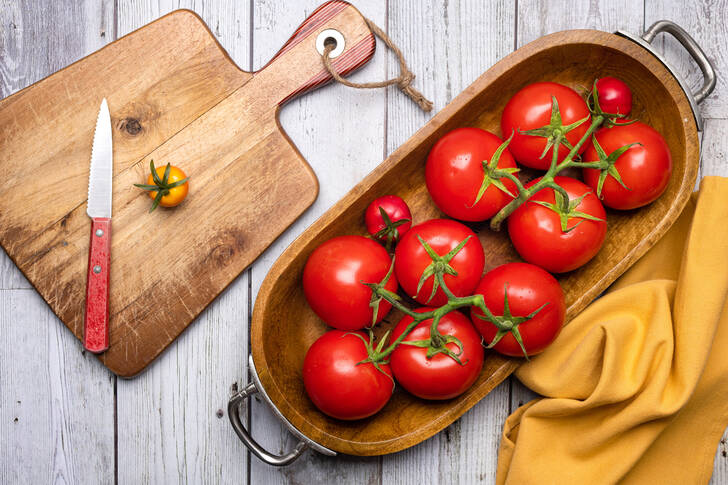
<point x="298" y="67"/>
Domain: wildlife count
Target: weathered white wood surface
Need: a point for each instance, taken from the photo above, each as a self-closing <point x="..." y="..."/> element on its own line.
<point x="448" y="45"/>
<point x="64" y="418"/>
<point x="172" y="423"/>
<point x="56" y="404"/>
<point x="340" y="131"/>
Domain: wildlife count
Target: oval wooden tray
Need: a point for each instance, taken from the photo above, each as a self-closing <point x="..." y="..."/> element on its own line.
<point x="283" y="325"/>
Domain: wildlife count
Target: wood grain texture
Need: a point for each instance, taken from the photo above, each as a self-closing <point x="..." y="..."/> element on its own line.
<point x="56" y="230"/>
<point x="171" y="419"/>
<point x="464" y="452"/>
<point x="36" y="39"/>
<point x="56" y="404"/>
<point x="317" y="124"/>
<point x="278" y="349"/>
<point x="172" y="426"/>
<point x="449" y="34"/>
<point x="204" y="111"/>
<point x="715" y="148"/>
<point x="707" y="22"/>
<point x="541" y="17"/>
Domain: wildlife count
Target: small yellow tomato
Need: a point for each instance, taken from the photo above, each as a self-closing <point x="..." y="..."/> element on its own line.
<point x="175" y="195"/>
<point x="167" y="186"/>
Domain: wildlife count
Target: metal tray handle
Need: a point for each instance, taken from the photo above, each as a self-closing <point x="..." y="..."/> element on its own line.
<point x="234" y="413"/>
<point x="693" y="49"/>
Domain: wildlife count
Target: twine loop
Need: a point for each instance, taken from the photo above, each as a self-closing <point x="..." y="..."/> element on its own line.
<point x="403" y="81"/>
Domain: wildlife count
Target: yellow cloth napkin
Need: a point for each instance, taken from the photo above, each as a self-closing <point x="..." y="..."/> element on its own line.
<point x="636" y="386"/>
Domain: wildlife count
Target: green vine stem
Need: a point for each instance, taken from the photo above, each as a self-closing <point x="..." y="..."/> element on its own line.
<point x="555" y="134"/>
<point x="556" y="137"/>
<point x="438" y="340"/>
<point x="435" y="315"/>
<point x="548" y="178"/>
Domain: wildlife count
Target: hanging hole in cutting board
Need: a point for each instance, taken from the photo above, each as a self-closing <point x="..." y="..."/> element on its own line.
<point x="330" y="37"/>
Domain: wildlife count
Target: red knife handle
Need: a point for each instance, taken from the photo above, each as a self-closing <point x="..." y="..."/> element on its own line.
<point x="96" y="322"/>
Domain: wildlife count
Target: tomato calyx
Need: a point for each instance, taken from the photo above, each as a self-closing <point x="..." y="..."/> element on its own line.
<point x="547" y="179"/>
<point x="439" y="266"/>
<point x="437" y="344"/>
<point x="379" y="292"/>
<point x="389" y="232"/>
<point x="376" y="356"/>
<point x="555" y="131"/>
<point x="507" y="323"/>
<point x="161" y="185"/>
<point x="606" y="163"/>
<point x="566" y="208"/>
<point x="492" y="175"/>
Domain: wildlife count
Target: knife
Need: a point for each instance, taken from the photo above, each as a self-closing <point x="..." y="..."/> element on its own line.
<point x="98" y="208"/>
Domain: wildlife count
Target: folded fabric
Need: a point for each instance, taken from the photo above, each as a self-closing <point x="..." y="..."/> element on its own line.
<point x="636" y="386"/>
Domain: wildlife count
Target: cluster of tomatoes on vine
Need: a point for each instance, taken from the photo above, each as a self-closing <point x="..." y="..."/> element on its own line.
<point x="556" y="223"/>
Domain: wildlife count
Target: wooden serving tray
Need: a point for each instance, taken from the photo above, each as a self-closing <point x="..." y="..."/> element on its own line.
<point x="174" y="96"/>
<point x="283" y="326"/>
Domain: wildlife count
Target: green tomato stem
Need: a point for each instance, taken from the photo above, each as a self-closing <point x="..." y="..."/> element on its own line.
<point x="455" y="302"/>
<point x="525" y="193"/>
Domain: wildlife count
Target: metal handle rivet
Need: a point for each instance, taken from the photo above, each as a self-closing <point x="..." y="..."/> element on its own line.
<point x="99" y="232"/>
<point x="97" y="269"/>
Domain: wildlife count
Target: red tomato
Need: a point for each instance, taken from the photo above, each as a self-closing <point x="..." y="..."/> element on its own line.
<point x="530" y="108"/>
<point x="615" y="97"/>
<point x="645" y="170"/>
<point x="454" y="174"/>
<point x="440" y="377"/>
<point x="337" y="384"/>
<point x="333" y="276"/>
<point x="537" y="234"/>
<point x="442" y="235"/>
<point x="529" y="288"/>
<point x="398" y="215"/>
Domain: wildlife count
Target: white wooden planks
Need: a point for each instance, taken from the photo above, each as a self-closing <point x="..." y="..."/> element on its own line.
<point x="56" y="404"/>
<point x="448" y="44"/>
<point x="172" y="419"/>
<point x="705" y="21"/>
<point x="169" y="430"/>
<point x="540" y="17"/>
<point x="172" y="423"/>
<point x="340" y="131"/>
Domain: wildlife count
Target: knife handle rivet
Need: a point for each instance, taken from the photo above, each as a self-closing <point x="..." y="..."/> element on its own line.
<point x="97" y="269"/>
<point x="99" y="232"/>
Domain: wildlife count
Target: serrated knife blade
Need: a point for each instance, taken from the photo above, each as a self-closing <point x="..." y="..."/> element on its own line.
<point x="99" y="178"/>
<point x="98" y="208"/>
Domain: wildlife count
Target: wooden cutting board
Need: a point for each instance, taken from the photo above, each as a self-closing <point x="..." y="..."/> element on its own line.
<point x="175" y="96"/>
